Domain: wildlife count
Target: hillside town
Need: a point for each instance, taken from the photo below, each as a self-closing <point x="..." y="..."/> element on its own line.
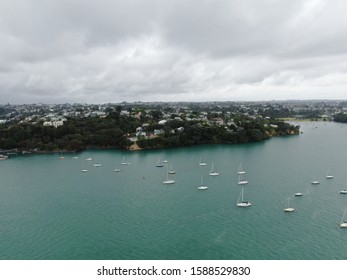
<point x="56" y="114"/>
<point x="53" y="127"/>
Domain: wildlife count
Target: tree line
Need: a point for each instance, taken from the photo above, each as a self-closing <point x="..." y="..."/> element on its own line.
<point x="114" y="131"/>
<point x="75" y="134"/>
<point x="245" y="130"/>
<point x="340" y="117"/>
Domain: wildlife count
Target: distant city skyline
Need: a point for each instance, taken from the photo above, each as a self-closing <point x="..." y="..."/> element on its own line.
<point x="110" y="51"/>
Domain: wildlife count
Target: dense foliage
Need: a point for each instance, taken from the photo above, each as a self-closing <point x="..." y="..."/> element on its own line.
<point x="341" y="117"/>
<point x="245" y="130"/>
<point x="75" y="134"/>
<point x="115" y="130"/>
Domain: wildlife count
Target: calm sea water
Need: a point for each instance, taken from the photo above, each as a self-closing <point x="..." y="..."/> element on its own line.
<point x="49" y="209"/>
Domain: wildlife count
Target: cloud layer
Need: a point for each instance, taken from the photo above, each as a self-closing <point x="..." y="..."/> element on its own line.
<point x="59" y="51"/>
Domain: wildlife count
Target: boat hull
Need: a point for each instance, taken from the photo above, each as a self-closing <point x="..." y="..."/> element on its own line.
<point x="168" y="182"/>
<point x="244" y="204"/>
<point x="244" y="182"/>
<point x="299" y="194"/>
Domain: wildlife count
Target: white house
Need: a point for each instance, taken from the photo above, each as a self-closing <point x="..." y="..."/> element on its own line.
<point x="162" y="122"/>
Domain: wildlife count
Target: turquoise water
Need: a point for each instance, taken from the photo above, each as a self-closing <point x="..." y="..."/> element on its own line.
<point x="49" y="209"/>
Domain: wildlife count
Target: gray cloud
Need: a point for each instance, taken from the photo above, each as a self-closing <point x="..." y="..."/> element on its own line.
<point x="110" y="51"/>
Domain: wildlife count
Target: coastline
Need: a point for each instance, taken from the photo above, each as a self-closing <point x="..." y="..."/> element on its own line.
<point x="133" y="147"/>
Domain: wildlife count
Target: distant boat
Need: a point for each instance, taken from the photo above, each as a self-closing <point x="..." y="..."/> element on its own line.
<point x="75" y="157"/>
<point x="212" y="172"/>
<point x="201" y="163"/>
<point x="241" y="202"/>
<point x="202" y="186"/>
<point x="159" y="163"/>
<point x="298" y="194"/>
<point x="84" y="168"/>
<point x="61" y="155"/>
<point x="168" y="181"/>
<point x="240" y="171"/>
<point x="314" y="181"/>
<point x="242" y="181"/>
<point x="125" y="162"/>
<point x="116" y="169"/>
<point x="329" y="176"/>
<point x="165" y="161"/>
<point x="343" y="191"/>
<point x="288" y="208"/>
<point x="97" y="164"/>
<point x="89" y="159"/>
<point x="343" y="223"/>
<point x="171" y="171"/>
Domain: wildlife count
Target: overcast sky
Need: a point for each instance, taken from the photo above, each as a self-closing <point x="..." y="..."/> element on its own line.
<point x="99" y="51"/>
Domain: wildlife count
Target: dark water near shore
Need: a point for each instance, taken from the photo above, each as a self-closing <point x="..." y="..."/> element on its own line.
<point x="49" y="209"/>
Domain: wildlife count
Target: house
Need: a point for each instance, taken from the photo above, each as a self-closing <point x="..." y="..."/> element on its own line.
<point x="53" y="123"/>
<point x="124" y="113"/>
<point x="219" y="121"/>
<point x="162" y="122"/>
<point x="158" y="131"/>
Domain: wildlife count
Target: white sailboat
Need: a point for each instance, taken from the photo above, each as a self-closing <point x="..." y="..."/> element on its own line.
<point x="116" y="169"/>
<point x="202" y="186"/>
<point x="314" y="181"/>
<point x="343" y="223"/>
<point x="240" y="171"/>
<point x="241" y="202"/>
<point x="212" y="172"/>
<point x="84" y="168"/>
<point x="168" y="181"/>
<point x="329" y="176"/>
<point x="124" y="162"/>
<point x="298" y="194"/>
<point x="172" y="171"/>
<point x="61" y="155"/>
<point x="201" y="163"/>
<point x="159" y="163"/>
<point x="288" y="208"/>
<point x="97" y="164"/>
<point x="242" y="181"/>
<point x="343" y="191"/>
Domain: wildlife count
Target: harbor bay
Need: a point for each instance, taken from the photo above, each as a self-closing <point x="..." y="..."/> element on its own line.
<point x="50" y="209"/>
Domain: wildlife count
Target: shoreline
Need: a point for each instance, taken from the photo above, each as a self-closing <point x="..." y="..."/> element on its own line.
<point x="132" y="148"/>
<point x="304" y="120"/>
